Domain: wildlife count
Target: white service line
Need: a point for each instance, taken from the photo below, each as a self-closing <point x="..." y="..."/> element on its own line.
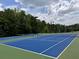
<point x="54" y="45"/>
<point x="66" y="48"/>
<point x="29" y="51"/>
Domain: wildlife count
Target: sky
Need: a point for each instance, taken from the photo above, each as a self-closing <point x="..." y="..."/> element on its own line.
<point x="64" y="12"/>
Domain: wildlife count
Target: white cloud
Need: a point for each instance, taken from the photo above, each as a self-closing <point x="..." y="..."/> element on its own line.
<point x="37" y="2"/>
<point x="57" y="9"/>
<point x="16" y="0"/>
<point x="24" y="9"/>
<point x="69" y="20"/>
<point x="0" y="4"/>
<point x="12" y="6"/>
<point x="1" y="8"/>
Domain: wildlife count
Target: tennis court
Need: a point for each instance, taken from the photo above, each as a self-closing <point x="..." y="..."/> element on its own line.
<point x="47" y="45"/>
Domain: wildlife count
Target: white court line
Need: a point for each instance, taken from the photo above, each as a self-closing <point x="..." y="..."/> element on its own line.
<point x="66" y="48"/>
<point x="29" y="51"/>
<point x="54" y="45"/>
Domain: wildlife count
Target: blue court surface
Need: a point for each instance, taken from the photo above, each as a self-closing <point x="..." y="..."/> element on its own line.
<point x="50" y="45"/>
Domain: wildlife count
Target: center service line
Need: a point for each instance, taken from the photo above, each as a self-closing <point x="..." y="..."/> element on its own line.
<point x="54" y="45"/>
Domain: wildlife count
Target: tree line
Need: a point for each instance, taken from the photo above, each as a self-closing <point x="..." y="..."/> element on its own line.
<point x="14" y="22"/>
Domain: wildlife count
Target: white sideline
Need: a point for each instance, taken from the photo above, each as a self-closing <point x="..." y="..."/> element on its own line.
<point x="43" y="51"/>
<point x="66" y="48"/>
<point x="28" y="51"/>
<point x="54" y="45"/>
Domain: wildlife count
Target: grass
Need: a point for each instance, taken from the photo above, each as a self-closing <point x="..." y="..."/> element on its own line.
<point x="12" y="53"/>
<point x="72" y="52"/>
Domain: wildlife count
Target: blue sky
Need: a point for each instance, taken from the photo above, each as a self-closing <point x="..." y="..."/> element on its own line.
<point x="8" y="2"/>
<point x="59" y="11"/>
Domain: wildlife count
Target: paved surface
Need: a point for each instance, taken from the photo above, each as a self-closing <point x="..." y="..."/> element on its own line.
<point x="8" y="52"/>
